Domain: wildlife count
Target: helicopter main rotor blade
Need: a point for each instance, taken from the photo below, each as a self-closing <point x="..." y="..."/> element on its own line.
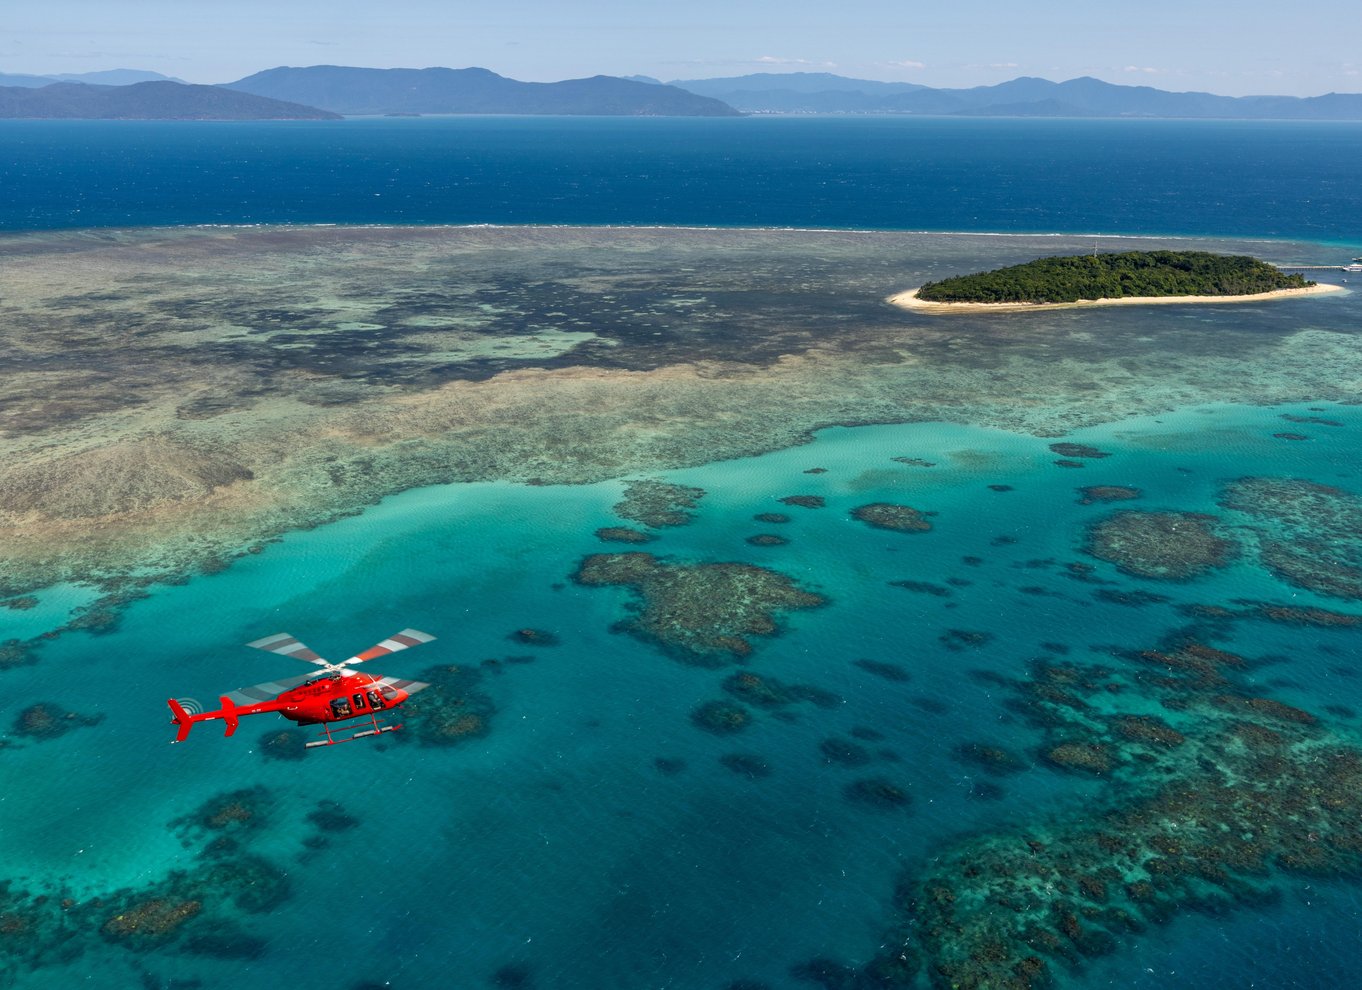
<point x="402" y="684"/>
<point x="267" y="691"/>
<point x="404" y="640"/>
<point x="287" y="646"/>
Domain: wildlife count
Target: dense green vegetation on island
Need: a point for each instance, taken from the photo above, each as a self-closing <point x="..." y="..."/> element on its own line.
<point x="1115" y="276"/>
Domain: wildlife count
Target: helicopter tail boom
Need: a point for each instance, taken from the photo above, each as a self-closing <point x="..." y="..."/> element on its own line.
<point x="230" y="713"/>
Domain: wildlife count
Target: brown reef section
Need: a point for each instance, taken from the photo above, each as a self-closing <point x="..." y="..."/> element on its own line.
<point x="703" y="612"/>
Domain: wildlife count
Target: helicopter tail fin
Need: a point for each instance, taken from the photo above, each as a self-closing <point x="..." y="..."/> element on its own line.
<point x="183" y="719"/>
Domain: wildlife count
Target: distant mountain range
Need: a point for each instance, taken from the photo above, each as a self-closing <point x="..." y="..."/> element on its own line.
<point x="820" y="92"/>
<point x="323" y="91"/>
<point x="349" y="90"/>
<point x="147" y="101"/>
<point x="108" y="77"/>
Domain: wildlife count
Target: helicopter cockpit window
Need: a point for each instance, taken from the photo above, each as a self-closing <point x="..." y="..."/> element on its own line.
<point x="340" y="708"/>
<point x="376" y="700"/>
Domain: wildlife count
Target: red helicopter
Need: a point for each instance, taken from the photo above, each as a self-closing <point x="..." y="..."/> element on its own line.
<point x="336" y="695"/>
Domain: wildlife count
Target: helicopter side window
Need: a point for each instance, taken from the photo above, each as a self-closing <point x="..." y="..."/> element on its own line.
<point x="376" y="700"/>
<point x="359" y="701"/>
<point x="340" y="708"/>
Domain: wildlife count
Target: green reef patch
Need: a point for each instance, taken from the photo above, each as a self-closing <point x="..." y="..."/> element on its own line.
<point x="657" y="503"/>
<point x="886" y="515"/>
<point x="704" y="613"/>
<point x="1170" y="546"/>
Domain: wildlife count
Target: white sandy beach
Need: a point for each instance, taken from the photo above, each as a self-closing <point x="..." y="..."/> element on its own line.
<point x="909" y="300"/>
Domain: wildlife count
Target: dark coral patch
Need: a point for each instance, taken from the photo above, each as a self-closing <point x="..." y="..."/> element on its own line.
<point x="284" y="744"/>
<point x="623" y="534"/>
<point x="453" y="710"/>
<point x="804" y="501"/>
<point x="888" y="671"/>
<point x="767" y="540"/>
<point x="886" y="515"/>
<point x="1107" y="493"/>
<point x="879" y="793"/>
<point x="773" y="518"/>
<point x="723" y="718"/>
<point x="988" y="757"/>
<point x="1066" y="449"/>
<point x="47" y="720"/>
<point x="964" y="639"/>
<point x="331" y="816"/>
<point x="534" y="637"/>
<point x="924" y="588"/>
<point x="1170" y="546"/>
<point x="700" y="612"/>
<point x="747" y="765"/>
<point x="843" y="752"/>
<point x="1064" y="463"/>
<point x="768" y="692"/>
<point x="1290" y="436"/>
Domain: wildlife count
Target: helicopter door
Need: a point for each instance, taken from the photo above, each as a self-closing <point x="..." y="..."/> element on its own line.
<point x="358" y="700"/>
<point x="377" y="701"/>
<point x="340" y="708"/>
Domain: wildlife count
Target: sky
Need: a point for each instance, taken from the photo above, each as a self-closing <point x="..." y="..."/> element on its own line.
<point x="1246" y="47"/>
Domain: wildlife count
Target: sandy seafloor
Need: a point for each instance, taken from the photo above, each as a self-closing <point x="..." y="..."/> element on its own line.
<point x="552" y="852"/>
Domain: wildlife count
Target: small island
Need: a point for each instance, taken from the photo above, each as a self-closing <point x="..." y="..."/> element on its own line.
<point x="1107" y="279"/>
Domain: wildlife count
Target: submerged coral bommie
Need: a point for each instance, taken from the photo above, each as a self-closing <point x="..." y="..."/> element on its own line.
<point x="46" y="720"/>
<point x="886" y="515"/>
<point x="1172" y="546"/>
<point x="452" y="711"/>
<point x="656" y="503"/>
<point x="1107" y="493"/>
<point x="702" y="612"/>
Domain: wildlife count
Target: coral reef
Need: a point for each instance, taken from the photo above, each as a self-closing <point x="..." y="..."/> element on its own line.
<point x="451" y="711"/>
<point x="723" y="718"/>
<point x="924" y="588"/>
<point x="748" y="765"/>
<point x="767" y="692"/>
<point x="885" y="515"/>
<point x="1209" y="805"/>
<point x="656" y="503"/>
<point x="1091" y="494"/>
<point x="284" y="744"/>
<point x="843" y="752"/>
<point x="804" y="501"/>
<point x="964" y="639"/>
<point x="703" y="612"/>
<point x="774" y="518"/>
<point x="1308" y="534"/>
<point x="47" y="720"/>
<point x="623" y="534"/>
<point x="1065" y="449"/>
<point x="1170" y="546"/>
<point x="879" y="793"/>
<point x="989" y="758"/>
<point x="767" y="540"/>
<point x="534" y="637"/>
<point x="881" y="668"/>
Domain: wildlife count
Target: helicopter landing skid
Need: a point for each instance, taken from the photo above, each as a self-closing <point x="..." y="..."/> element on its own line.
<point x="372" y="727"/>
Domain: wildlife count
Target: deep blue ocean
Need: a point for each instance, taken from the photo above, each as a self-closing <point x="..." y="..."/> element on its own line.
<point x="1213" y="178"/>
<point x="595" y="837"/>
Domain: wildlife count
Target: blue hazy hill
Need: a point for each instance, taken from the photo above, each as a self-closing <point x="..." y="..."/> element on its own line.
<point x="1026" y="96"/>
<point x="146" y="101"/>
<point x="352" y="90"/>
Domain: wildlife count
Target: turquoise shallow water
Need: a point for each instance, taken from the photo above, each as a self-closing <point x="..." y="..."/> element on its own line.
<point x="553" y="845"/>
